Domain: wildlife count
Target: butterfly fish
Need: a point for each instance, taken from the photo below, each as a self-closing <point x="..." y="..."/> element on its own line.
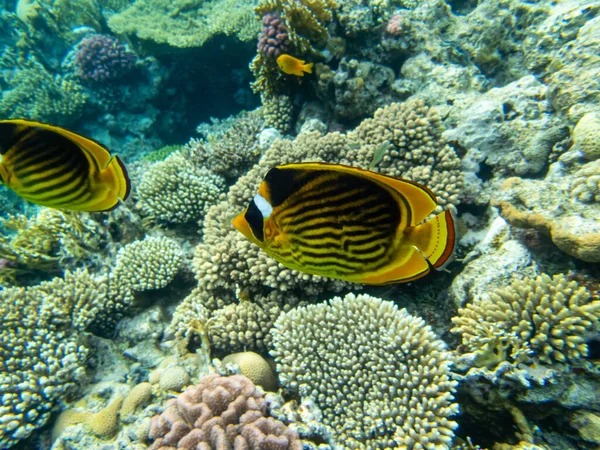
<point x="54" y="167"/>
<point x="343" y="222"/>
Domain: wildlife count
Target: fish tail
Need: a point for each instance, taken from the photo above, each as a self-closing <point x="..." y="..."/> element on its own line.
<point x="115" y="175"/>
<point x="307" y="67"/>
<point x="436" y="238"/>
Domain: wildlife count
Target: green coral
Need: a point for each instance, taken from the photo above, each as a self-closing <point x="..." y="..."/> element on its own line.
<point x="31" y="91"/>
<point x="162" y="153"/>
<point x="186" y="23"/>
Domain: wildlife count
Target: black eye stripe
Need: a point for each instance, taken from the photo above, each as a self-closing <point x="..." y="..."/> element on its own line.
<point x="255" y="219"/>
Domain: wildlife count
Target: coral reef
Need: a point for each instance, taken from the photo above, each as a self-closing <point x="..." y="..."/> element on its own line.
<point x="338" y="354"/>
<point x="43" y="354"/>
<point x="305" y="23"/>
<point x="229" y="147"/>
<point x="278" y="112"/>
<point x="542" y="320"/>
<point x="254" y="367"/>
<point x="102" y="58"/>
<point x="183" y="23"/>
<point x="220" y="412"/>
<point x="178" y="191"/>
<point x="356" y="88"/>
<point x="31" y="91"/>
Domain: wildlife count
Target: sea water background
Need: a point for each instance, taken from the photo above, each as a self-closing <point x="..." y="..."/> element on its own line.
<point x="492" y="104"/>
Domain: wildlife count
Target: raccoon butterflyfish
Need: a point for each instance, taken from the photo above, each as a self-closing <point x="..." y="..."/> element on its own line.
<point x="343" y="222"/>
<point x="293" y="66"/>
<point x="51" y="166"/>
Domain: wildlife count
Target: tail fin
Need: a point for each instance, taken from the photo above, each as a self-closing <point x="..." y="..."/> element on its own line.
<point x="436" y="239"/>
<point x="307" y="67"/>
<point x="116" y="175"/>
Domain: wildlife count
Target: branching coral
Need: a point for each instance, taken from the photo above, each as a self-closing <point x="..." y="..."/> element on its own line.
<point x="226" y="263"/>
<point x="219" y="413"/>
<point x="185" y="23"/>
<point x="42" y="356"/>
<point x="278" y="112"/>
<point x="230" y="147"/>
<point x="33" y="92"/>
<point x="379" y="375"/>
<point x="533" y="320"/>
<point x="178" y="191"/>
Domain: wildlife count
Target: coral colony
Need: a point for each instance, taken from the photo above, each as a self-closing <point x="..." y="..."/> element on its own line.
<point x="157" y="321"/>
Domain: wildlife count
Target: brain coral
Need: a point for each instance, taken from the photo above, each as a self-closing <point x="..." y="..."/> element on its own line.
<point x="178" y="191"/>
<point x="42" y="356"/>
<point x="220" y="413"/>
<point x="533" y="320"/>
<point x="379" y="375"/>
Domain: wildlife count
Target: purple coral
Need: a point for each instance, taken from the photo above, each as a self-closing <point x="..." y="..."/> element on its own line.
<point x="274" y="39"/>
<point x="103" y="58"/>
<point x="220" y="413"/>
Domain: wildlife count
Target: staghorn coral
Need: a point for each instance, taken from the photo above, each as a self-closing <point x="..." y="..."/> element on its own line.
<point x="220" y="413"/>
<point x="533" y="320"/>
<point x="102" y="58"/>
<point x="42" y="353"/>
<point x="338" y="354"/>
<point x="229" y="146"/>
<point x="178" y="191"/>
<point x="186" y="23"/>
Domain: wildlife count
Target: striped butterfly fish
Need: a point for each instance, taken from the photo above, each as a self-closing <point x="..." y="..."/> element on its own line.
<point x="51" y="166"/>
<point x="348" y="223"/>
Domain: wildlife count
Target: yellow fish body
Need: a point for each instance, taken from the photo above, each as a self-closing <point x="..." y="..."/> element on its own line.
<point x="51" y="166"/>
<point x="343" y="222"/>
<point x="293" y="66"/>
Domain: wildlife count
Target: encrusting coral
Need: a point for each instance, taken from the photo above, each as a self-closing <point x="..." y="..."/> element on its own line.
<point x="178" y="191"/>
<point x="542" y="320"/>
<point x="339" y="354"/>
<point x="220" y="413"/>
<point x="42" y="353"/>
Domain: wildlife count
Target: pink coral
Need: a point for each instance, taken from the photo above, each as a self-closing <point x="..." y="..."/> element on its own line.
<point x="396" y="26"/>
<point x="220" y="413"/>
<point x="274" y="40"/>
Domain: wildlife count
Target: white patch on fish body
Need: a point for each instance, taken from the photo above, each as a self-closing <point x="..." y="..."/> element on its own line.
<point x="263" y="206"/>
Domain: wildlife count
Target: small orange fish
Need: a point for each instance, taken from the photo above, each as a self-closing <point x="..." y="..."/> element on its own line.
<point x="293" y="66"/>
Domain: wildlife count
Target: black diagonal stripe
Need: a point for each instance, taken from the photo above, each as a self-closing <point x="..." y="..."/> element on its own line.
<point x="61" y="189"/>
<point x="370" y="212"/>
<point x="312" y="202"/>
<point x="341" y="256"/>
<point x="283" y="183"/>
<point x="80" y="198"/>
<point x="53" y="166"/>
<point x="322" y="188"/>
<point x="21" y="157"/>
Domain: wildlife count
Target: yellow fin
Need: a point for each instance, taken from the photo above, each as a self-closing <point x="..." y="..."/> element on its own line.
<point x="436" y="239"/>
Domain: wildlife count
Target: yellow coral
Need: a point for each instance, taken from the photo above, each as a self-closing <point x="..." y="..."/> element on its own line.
<point x="254" y="367"/>
<point x="139" y="395"/>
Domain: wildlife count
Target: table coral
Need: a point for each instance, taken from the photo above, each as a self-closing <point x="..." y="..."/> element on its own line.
<point x="42" y="354"/>
<point x="379" y="375"/>
<point x="186" y="23"/>
<point x="533" y="320"/>
<point x="178" y="191"/>
<point x="219" y="413"/>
